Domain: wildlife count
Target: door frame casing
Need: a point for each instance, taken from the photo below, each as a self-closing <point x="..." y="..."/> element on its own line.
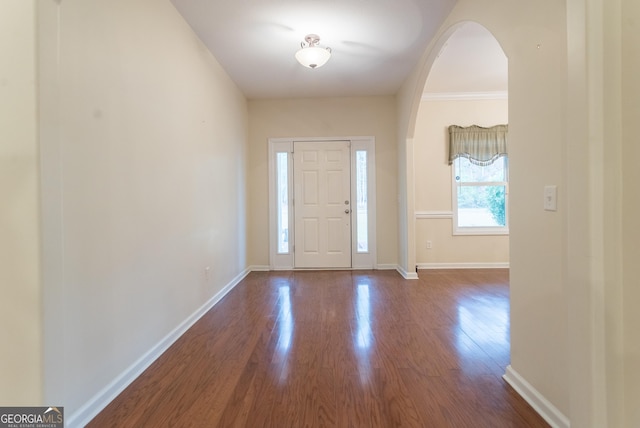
<point x="359" y="260"/>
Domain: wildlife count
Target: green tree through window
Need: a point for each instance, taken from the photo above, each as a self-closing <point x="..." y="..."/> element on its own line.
<point x="480" y="196"/>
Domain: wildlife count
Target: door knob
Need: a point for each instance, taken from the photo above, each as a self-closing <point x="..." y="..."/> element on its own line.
<point x="347" y="211"/>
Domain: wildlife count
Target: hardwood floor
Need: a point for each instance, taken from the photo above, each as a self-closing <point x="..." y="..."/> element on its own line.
<point x="338" y="349"/>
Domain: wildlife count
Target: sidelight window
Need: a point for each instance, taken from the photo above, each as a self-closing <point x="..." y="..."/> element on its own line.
<point x="362" y="231"/>
<point x="282" y="206"/>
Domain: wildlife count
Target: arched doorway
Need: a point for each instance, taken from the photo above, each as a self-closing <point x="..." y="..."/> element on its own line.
<point x="557" y="346"/>
<point x="461" y="223"/>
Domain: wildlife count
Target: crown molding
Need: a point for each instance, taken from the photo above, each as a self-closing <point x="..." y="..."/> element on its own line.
<point x="464" y="96"/>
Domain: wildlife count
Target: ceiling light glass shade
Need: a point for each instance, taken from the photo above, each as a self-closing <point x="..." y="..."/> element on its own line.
<point x="311" y="55"/>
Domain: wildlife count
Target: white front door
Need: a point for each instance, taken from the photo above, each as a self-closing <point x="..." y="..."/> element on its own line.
<point x="322" y="204"/>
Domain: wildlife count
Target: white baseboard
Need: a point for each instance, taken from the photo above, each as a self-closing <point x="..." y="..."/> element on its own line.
<point x="548" y="411"/>
<point x="463" y="265"/>
<point x="97" y="403"/>
<point x="405" y="274"/>
<point x="291" y="268"/>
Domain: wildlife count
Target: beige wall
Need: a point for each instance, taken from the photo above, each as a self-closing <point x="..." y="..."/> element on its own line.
<point x="573" y="92"/>
<point x="433" y="184"/>
<point x="630" y="44"/>
<point x="20" y="305"/>
<point x="143" y="154"/>
<point x="142" y="133"/>
<point x="324" y="117"/>
<point x="533" y="37"/>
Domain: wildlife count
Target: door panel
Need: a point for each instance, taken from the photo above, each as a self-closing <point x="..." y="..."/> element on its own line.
<point x="335" y="235"/>
<point x="322" y="187"/>
<point x="311" y="236"/>
<point x="310" y="188"/>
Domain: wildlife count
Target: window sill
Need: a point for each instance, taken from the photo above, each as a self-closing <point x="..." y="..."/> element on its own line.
<point x="480" y="231"/>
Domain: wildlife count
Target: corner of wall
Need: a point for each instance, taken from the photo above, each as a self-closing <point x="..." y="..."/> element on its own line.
<point x="21" y="326"/>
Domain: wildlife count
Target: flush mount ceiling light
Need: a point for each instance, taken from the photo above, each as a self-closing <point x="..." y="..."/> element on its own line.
<point x="311" y="55"/>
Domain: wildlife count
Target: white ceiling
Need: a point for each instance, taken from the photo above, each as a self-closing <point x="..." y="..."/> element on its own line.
<point x="471" y="61"/>
<point x="375" y="43"/>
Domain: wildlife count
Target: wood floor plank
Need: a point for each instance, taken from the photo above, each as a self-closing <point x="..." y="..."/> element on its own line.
<point x="338" y="349"/>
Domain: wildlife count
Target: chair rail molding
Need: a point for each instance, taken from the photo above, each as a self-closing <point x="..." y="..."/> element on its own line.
<point x="426" y="215"/>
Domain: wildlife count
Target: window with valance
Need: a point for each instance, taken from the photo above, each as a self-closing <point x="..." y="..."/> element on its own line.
<point x="479" y="159"/>
<point x="482" y="146"/>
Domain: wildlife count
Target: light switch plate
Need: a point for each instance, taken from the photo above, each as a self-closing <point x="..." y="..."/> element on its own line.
<point x="551" y="198"/>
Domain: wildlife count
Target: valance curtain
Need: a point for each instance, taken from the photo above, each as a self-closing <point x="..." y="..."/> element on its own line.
<point x="482" y="146"/>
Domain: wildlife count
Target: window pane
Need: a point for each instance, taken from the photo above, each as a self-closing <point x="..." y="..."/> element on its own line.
<point x="468" y="172"/>
<point x="362" y="234"/>
<point x="282" y="207"/>
<point x="481" y="206"/>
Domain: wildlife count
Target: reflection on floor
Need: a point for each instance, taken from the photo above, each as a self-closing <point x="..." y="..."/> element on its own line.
<point x="338" y="349"/>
